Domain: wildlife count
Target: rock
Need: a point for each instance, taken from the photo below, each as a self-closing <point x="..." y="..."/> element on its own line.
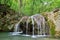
<point x="49" y="17"/>
<point x="57" y="34"/>
<point x="58" y="22"/>
<point x="53" y="19"/>
<point x="8" y="17"/>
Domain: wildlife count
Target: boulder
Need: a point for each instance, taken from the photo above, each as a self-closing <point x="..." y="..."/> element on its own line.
<point x="53" y="20"/>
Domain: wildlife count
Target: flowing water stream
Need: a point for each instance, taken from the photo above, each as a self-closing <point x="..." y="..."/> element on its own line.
<point x="40" y="21"/>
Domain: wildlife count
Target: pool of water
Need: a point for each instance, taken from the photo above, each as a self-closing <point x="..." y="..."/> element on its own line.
<point x="8" y="36"/>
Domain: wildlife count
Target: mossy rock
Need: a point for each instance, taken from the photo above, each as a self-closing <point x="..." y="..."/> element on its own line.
<point x="57" y="34"/>
<point x="48" y="17"/>
<point x="8" y="17"/>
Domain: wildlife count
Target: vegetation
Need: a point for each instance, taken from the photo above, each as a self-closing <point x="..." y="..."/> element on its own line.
<point x="14" y="4"/>
<point x="8" y="17"/>
<point x="30" y="7"/>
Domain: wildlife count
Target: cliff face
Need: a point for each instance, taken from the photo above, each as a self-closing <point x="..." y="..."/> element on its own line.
<point x="58" y="22"/>
<point x="57" y="28"/>
<point x="53" y="19"/>
<point x="8" y="17"/>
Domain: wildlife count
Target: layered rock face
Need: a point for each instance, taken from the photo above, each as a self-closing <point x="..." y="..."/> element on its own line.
<point x="53" y="19"/>
<point x="58" y="22"/>
<point x="8" y="18"/>
<point x="57" y="29"/>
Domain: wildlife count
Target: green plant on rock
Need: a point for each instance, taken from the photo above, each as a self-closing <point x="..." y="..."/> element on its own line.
<point x="50" y="23"/>
<point x="52" y="27"/>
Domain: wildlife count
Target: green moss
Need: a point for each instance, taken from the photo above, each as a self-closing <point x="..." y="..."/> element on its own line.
<point x="50" y="23"/>
<point x="52" y="27"/>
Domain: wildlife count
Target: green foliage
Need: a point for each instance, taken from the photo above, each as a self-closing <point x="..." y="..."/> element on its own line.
<point x="52" y="27"/>
<point x="14" y="4"/>
<point x="30" y="7"/>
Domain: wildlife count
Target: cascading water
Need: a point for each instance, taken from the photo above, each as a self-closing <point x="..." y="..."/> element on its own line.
<point x="33" y="27"/>
<point x="16" y="29"/>
<point x="27" y="27"/>
<point x="40" y="22"/>
<point x="39" y="19"/>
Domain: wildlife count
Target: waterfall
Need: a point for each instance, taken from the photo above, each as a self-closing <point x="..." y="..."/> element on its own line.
<point x="39" y="19"/>
<point x="33" y="27"/>
<point x="16" y="29"/>
<point x="27" y="27"/>
<point x="35" y="19"/>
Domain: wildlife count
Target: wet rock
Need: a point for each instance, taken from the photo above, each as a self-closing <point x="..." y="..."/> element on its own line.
<point x="27" y="25"/>
<point x="49" y="17"/>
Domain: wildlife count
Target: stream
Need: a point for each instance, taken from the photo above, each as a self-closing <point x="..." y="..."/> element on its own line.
<point x="7" y="36"/>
